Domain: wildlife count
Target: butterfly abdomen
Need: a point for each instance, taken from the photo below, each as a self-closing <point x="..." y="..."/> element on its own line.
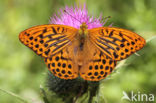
<point x="81" y="42"/>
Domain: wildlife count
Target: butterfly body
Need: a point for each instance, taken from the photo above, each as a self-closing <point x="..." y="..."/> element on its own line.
<point x="90" y="53"/>
<point x="82" y="35"/>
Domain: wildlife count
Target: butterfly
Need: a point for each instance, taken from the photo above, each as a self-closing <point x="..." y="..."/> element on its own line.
<point x="89" y="53"/>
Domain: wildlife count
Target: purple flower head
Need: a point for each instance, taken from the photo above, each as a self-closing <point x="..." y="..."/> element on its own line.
<point x="75" y="16"/>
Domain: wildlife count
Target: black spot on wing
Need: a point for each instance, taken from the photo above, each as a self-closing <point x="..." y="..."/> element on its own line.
<point x="55" y="32"/>
<point x="111" y="33"/>
<point x="45" y="30"/>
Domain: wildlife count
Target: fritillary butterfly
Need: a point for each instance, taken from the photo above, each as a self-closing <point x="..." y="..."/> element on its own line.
<point x="91" y="53"/>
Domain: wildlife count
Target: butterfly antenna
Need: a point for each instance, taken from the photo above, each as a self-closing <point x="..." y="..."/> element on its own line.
<point x="104" y="20"/>
<point x="71" y="16"/>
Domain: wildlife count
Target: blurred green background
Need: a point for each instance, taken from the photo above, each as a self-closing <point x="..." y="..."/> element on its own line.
<point x="22" y="71"/>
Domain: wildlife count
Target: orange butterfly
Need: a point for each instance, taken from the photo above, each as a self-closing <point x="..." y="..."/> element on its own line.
<point x="91" y="53"/>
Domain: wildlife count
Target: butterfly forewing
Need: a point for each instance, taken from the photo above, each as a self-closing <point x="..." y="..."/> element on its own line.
<point x="116" y="43"/>
<point x="47" y="40"/>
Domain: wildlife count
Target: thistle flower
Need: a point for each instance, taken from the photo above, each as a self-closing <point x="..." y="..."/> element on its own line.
<point x="75" y="16"/>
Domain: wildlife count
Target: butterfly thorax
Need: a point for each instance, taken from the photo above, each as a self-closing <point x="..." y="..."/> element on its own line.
<point x="82" y="34"/>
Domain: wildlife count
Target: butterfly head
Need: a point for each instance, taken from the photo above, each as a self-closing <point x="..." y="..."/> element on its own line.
<point x="83" y="29"/>
<point x="83" y="26"/>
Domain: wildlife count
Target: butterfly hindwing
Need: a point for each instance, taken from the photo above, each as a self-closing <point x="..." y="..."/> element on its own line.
<point x="47" y="40"/>
<point x="62" y="65"/>
<point x="116" y="43"/>
<point x="98" y="67"/>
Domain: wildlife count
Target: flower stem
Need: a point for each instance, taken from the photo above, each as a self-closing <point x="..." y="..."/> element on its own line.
<point x="43" y="94"/>
<point x="14" y="95"/>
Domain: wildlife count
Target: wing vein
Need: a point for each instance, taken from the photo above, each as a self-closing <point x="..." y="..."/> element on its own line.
<point x="103" y="48"/>
<point x="49" y="35"/>
<point x="59" y="41"/>
<point x="59" y="46"/>
<point x="108" y="41"/>
<point x="55" y="38"/>
<point x="106" y="44"/>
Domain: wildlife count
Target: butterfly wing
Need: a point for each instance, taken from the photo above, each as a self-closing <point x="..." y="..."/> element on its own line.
<point x="47" y="40"/>
<point x="98" y="67"/>
<point x="62" y="64"/>
<point x="116" y="43"/>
